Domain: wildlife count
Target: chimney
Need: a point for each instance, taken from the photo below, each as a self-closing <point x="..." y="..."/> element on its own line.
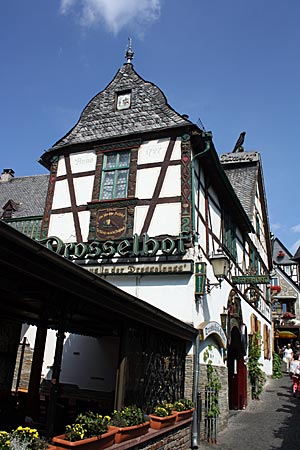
<point x="7" y="174"/>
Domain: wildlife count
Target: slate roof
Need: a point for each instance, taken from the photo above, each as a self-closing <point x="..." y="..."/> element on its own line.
<point x="242" y="173"/>
<point x="28" y="193"/>
<point x="100" y="120"/>
<point x="277" y="258"/>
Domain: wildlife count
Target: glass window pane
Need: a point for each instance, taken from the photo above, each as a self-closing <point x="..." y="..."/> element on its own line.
<point x="111" y="161"/>
<point x="108" y="185"/>
<point x="124" y="159"/>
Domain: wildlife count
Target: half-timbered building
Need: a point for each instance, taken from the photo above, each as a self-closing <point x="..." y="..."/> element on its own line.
<point x="137" y="195"/>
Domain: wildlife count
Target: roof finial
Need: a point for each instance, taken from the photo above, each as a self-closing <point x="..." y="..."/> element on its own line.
<point x="129" y="52"/>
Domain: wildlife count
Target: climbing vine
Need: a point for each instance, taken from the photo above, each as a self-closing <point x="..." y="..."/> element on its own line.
<point x="277" y="363"/>
<point x="213" y="386"/>
<point x="257" y="376"/>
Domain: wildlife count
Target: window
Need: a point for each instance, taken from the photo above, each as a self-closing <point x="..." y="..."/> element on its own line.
<point x="257" y="226"/>
<point x="254" y="263"/>
<point x="229" y="235"/>
<point x="123" y="100"/>
<point x="115" y="173"/>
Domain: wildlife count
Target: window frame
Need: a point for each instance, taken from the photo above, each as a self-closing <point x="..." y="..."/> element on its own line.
<point x="115" y="170"/>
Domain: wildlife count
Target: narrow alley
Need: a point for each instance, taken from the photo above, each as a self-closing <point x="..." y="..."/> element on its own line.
<point x="271" y="423"/>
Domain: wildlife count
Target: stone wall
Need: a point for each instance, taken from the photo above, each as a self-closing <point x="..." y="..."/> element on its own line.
<point x="179" y="439"/>
<point x="223" y="394"/>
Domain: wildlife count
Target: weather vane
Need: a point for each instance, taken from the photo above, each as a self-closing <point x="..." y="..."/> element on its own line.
<point x="129" y="52"/>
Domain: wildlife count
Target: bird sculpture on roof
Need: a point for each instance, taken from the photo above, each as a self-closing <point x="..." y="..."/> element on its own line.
<point x="239" y="143"/>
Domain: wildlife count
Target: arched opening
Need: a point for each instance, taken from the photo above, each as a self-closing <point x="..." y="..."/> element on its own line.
<point x="237" y="371"/>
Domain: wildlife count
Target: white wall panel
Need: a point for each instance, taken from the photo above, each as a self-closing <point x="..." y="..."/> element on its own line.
<point x="152" y="151"/>
<point x="165" y="220"/>
<point x="172" y="184"/>
<point x="145" y="182"/>
<point x="83" y="187"/>
<point x="62" y="226"/>
<point x="82" y="162"/>
<point x="139" y="218"/>
<point x="84" y="220"/>
<point x="61" y="167"/>
<point x="61" y="197"/>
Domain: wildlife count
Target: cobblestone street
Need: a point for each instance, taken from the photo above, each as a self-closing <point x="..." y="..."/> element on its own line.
<point x="268" y="424"/>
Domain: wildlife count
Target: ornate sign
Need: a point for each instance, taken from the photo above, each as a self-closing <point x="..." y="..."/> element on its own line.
<point x="138" y="269"/>
<point x="251" y="279"/>
<point x="111" y="223"/>
<point x="252" y="294"/>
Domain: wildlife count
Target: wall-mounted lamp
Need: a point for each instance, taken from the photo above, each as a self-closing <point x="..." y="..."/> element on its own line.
<point x="224" y="316"/>
<point x="220" y="265"/>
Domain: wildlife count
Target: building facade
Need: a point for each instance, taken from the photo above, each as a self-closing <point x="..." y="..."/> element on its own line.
<point x="138" y="196"/>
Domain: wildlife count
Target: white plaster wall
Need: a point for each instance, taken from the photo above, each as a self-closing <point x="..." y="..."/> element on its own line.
<point x="139" y="218"/>
<point x="83" y="162"/>
<point x="84" y="221"/>
<point x="62" y="226"/>
<point x="155" y="150"/>
<point x="172" y="184"/>
<point x="166" y="220"/>
<point x="61" y="196"/>
<point x="172" y="294"/>
<point x="83" y="187"/>
<point x="145" y="182"/>
<point x="61" y="167"/>
<point x="90" y="363"/>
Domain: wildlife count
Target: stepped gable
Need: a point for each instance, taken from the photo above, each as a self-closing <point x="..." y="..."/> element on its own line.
<point x="242" y="171"/>
<point x="27" y="193"/>
<point x="100" y="119"/>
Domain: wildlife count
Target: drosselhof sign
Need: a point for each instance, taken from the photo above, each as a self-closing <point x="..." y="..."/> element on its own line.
<point x="132" y="247"/>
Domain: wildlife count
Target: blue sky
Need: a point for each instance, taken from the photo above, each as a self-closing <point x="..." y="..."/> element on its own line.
<point x="234" y="64"/>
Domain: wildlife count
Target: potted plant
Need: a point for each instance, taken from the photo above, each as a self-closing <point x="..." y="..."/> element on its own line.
<point x="129" y="422"/>
<point x="90" y="431"/>
<point x="24" y="438"/>
<point x="162" y="416"/>
<point x="184" y="409"/>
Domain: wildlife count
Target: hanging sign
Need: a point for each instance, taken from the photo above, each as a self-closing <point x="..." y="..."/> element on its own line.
<point x="200" y="278"/>
<point x="251" y="279"/>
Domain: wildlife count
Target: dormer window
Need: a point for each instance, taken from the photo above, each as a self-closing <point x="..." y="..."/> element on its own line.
<point x="8" y="209"/>
<point x="123" y="100"/>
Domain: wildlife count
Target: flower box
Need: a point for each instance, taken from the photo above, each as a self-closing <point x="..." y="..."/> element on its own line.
<point x="183" y="415"/>
<point x="157" y="422"/>
<point x="126" y="433"/>
<point x="93" y="443"/>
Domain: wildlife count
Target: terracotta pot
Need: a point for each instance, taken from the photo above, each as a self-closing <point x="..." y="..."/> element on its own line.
<point x="182" y="415"/>
<point x="161" y="422"/>
<point x="93" y="443"/>
<point x="126" y="433"/>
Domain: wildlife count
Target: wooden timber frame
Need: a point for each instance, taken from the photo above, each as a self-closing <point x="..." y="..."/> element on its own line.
<point x="39" y="287"/>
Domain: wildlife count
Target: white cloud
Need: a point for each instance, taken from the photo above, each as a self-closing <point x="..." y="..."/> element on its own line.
<point x="295" y="246"/>
<point x="296" y="229"/>
<point x="115" y="14"/>
<point x="275" y="226"/>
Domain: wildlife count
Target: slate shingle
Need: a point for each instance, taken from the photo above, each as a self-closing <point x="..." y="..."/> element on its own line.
<point x="29" y="193"/>
<point x="100" y="120"/>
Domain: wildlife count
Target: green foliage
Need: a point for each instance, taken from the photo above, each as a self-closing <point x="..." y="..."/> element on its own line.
<point x="4" y="440"/>
<point x="277" y="363"/>
<point x="22" y="438"/>
<point x="86" y="426"/>
<point x="212" y="388"/>
<point x="257" y="376"/>
<point x="163" y="409"/>
<point x="183" y="404"/>
<point x="128" y="416"/>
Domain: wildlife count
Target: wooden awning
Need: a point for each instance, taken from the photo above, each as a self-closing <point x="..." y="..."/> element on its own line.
<point x="35" y="282"/>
